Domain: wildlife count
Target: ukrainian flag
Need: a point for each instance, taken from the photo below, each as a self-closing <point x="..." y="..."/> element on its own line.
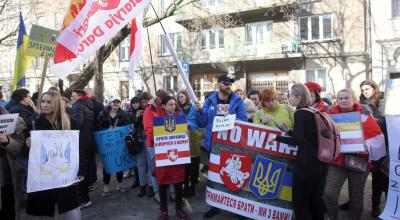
<point x="21" y="60"/>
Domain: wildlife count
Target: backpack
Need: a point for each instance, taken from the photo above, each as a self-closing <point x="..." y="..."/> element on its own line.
<point x="328" y="136"/>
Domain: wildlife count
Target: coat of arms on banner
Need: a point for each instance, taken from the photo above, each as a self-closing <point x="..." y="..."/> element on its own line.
<point x="266" y="178"/>
<point x="235" y="169"/>
<point x="172" y="155"/>
<point x="170" y="124"/>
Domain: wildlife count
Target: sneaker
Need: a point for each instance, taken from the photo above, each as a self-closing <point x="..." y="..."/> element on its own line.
<point x="181" y="213"/>
<point x="106" y="191"/>
<point x="92" y="187"/>
<point x="126" y="173"/>
<point x="121" y="189"/>
<point x="211" y="212"/>
<point x="163" y="216"/>
<point x="86" y="204"/>
<point x="156" y="198"/>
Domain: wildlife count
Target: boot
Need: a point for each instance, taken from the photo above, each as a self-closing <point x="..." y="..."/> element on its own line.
<point x="150" y="193"/>
<point x="142" y="191"/>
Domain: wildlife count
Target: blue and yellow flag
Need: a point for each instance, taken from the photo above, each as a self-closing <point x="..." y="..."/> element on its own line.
<point x="21" y="60"/>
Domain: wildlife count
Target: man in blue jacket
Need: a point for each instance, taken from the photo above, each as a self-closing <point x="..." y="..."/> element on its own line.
<point x="221" y="102"/>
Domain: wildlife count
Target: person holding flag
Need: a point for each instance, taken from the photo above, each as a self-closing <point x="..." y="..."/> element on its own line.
<point x="21" y="59"/>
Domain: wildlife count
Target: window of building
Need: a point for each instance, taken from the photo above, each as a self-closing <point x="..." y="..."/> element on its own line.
<point x="212" y="39"/>
<point x="124" y="49"/>
<point x="171" y="82"/>
<point x="176" y="40"/>
<point x="259" y="33"/>
<point x="124" y="89"/>
<point x="316" y="28"/>
<point x="212" y="3"/>
<point x="38" y="63"/>
<point x="318" y="76"/>
<point x="396" y="8"/>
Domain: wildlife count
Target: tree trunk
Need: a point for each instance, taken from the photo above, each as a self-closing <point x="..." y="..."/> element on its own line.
<point x="98" y="76"/>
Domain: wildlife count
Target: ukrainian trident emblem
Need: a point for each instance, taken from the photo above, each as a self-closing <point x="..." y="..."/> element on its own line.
<point x="169" y="123"/>
<point x="266" y="178"/>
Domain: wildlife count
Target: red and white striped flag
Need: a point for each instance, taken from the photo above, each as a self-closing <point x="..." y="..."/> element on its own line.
<point x="136" y="43"/>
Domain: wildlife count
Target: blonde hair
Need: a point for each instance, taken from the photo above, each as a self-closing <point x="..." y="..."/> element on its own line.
<point x="60" y="119"/>
<point x="302" y="93"/>
<point x="351" y="92"/>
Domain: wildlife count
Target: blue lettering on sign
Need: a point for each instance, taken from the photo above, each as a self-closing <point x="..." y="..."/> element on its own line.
<point x="113" y="153"/>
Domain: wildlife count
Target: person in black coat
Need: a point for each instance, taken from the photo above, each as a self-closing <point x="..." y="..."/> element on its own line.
<point x="42" y="203"/>
<point x="111" y="117"/>
<point x="308" y="172"/>
<point x="83" y="113"/>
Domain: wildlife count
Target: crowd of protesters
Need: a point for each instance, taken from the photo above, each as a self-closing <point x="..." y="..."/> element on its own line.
<point x="315" y="191"/>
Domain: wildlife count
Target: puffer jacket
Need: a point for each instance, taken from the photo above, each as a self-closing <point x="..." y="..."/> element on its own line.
<point x="83" y="112"/>
<point x="205" y="117"/>
<point x="105" y="121"/>
<point x="152" y="110"/>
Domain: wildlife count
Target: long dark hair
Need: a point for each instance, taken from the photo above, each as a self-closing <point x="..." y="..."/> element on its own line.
<point x="374" y="86"/>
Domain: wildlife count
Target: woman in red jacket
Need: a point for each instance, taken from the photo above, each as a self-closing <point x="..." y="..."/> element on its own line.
<point x="338" y="172"/>
<point x="170" y="174"/>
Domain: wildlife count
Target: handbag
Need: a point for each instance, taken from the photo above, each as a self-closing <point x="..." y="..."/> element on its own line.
<point x="134" y="142"/>
<point x="356" y="164"/>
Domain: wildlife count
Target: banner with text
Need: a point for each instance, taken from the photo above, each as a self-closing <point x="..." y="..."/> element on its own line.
<point x="171" y="142"/>
<point x="392" y="97"/>
<point x="248" y="176"/>
<point x="112" y="150"/>
<point x="53" y="160"/>
<point x="95" y="25"/>
<point x="392" y="209"/>
<point x="7" y="123"/>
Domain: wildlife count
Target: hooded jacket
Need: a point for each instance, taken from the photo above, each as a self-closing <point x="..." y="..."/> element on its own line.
<point x="152" y="110"/>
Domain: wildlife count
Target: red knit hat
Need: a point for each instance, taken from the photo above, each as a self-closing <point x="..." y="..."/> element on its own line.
<point x="312" y="86"/>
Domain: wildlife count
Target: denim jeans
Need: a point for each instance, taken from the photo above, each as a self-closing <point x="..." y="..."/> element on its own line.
<point x="141" y="160"/>
<point x="152" y="164"/>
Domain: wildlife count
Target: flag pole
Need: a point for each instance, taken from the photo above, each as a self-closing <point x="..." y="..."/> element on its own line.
<point x="172" y="51"/>
<point x="44" y="70"/>
<point x="151" y="61"/>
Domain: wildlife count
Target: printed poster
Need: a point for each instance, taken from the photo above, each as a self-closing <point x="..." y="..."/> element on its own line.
<point x="112" y="150"/>
<point x="171" y="140"/>
<point x="392" y="97"/>
<point x="53" y="160"/>
<point x="248" y="176"/>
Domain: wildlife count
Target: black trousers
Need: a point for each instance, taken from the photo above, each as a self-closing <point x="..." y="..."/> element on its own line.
<point x="84" y="171"/>
<point x="107" y="177"/>
<point x="379" y="183"/>
<point x="192" y="172"/>
<point x="163" y="196"/>
<point x="7" y="211"/>
<point x="307" y="195"/>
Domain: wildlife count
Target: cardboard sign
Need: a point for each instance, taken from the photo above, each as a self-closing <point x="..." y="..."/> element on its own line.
<point x="392" y="209"/>
<point x="42" y="42"/>
<point x="171" y="142"/>
<point x="351" y="132"/>
<point x="53" y="160"/>
<point x="248" y="176"/>
<point x="392" y="97"/>
<point x="224" y="123"/>
<point x="7" y="123"/>
<point x="113" y="153"/>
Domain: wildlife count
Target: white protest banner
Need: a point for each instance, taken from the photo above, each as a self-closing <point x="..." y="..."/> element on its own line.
<point x="53" y="160"/>
<point x="7" y="123"/>
<point x="171" y="143"/>
<point x="224" y="123"/>
<point x="392" y="97"/>
<point x="392" y="209"/>
<point x="96" y="24"/>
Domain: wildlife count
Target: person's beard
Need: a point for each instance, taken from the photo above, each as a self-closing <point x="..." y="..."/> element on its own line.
<point x="226" y="91"/>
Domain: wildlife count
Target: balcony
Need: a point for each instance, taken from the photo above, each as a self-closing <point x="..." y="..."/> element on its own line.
<point x="244" y="9"/>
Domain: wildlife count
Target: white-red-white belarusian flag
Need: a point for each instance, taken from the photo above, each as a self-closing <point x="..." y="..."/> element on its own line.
<point x="136" y="43"/>
<point x="97" y="22"/>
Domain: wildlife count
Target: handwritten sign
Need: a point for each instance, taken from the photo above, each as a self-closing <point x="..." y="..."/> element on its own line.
<point x="171" y="142"/>
<point x="249" y="176"/>
<point x="392" y="208"/>
<point x="53" y="160"/>
<point x="42" y="42"/>
<point x="7" y="123"/>
<point x="113" y="153"/>
<point x="224" y="123"/>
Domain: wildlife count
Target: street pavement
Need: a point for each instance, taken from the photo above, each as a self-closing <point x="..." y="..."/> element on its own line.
<point x="127" y="205"/>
